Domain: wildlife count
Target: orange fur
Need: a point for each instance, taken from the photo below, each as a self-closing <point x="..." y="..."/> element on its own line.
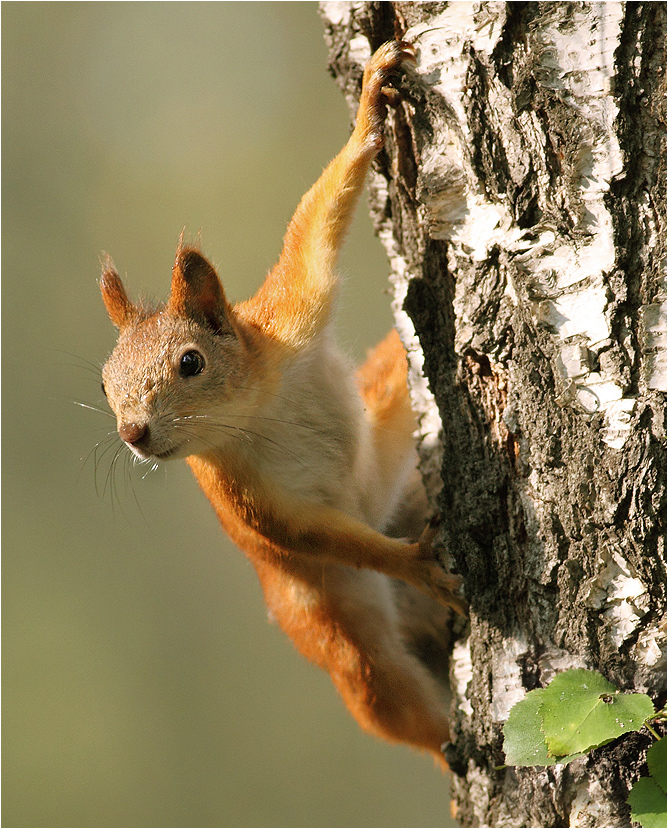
<point x="304" y="464"/>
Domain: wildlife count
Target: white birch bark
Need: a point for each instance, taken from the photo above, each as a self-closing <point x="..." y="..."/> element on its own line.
<point x="521" y="202"/>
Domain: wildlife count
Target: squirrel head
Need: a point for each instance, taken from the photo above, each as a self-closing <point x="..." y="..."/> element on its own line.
<point x="175" y="379"/>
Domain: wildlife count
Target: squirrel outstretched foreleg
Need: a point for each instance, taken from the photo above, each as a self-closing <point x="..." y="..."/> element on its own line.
<point x="304" y="281"/>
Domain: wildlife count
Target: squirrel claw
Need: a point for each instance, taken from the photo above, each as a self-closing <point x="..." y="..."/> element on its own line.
<point x="384" y="62"/>
<point x="444" y="587"/>
<point x="391" y="95"/>
<point x="390" y="55"/>
<point x="377" y="94"/>
<point x="435" y="580"/>
<point x="429" y="533"/>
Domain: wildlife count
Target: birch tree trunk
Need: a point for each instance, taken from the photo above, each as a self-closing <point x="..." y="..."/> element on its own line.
<point x="521" y="201"/>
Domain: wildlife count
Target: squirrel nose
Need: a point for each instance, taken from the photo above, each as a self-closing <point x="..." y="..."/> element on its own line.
<point x="133" y="433"/>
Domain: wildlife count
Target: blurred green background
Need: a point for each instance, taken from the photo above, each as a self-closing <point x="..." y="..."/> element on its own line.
<point x="143" y="685"/>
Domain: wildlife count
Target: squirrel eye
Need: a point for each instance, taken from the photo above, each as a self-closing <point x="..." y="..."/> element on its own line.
<point x="192" y="363"/>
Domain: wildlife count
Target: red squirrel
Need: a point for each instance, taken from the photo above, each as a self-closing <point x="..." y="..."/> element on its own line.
<point x="308" y="465"/>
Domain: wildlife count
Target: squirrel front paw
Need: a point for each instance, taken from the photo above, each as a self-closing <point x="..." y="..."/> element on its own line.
<point x="431" y="577"/>
<point x="376" y="93"/>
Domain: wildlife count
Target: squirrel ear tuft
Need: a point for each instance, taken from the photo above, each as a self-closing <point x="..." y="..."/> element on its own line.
<point x="121" y="311"/>
<point x="196" y="290"/>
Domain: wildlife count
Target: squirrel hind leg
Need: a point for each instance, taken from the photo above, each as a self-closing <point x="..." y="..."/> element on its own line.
<point x="401" y="703"/>
<point x="383" y="386"/>
<point x="383" y="379"/>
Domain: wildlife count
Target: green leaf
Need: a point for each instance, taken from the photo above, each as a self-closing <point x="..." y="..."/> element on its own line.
<point x="523" y="739"/>
<point x="648" y="804"/>
<point x="581" y="710"/>
<point x="656" y="761"/>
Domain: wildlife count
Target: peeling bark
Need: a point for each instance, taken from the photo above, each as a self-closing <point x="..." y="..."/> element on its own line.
<point x="521" y="201"/>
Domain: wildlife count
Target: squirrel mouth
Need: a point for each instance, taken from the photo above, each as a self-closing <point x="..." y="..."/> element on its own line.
<point x="168" y="453"/>
<point x="147" y="454"/>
